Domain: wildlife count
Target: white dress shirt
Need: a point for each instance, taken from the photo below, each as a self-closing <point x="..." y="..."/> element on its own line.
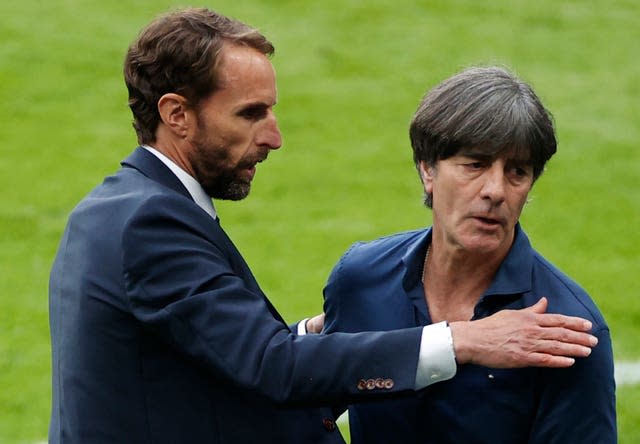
<point x="190" y="183"/>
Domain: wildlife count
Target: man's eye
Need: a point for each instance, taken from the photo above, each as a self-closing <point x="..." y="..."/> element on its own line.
<point x="253" y="113"/>
<point x="520" y="172"/>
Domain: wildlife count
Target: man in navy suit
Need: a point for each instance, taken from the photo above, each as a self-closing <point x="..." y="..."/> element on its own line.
<point x="160" y="333"/>
<point x="480" y="140"/>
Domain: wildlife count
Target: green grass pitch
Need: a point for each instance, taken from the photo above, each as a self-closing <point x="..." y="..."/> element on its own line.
<point x="350" y="75"/>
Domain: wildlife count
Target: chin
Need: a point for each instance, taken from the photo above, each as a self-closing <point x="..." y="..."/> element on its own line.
<point x="482" y="244"/>
<point x="234" y="191"/>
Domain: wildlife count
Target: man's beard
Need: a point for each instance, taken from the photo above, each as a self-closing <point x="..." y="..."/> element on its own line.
<point x="212" y="170"/>
<point x="227" y="187"/>
<point x="216" y="180"/>
<point x="216" y="177"/>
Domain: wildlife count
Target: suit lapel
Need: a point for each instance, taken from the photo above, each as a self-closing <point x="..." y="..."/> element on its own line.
<point x="152" y="167"/>
<point x="247" y="275"/>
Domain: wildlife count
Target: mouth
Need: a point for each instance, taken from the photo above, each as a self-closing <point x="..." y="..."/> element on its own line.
<point x="250" y="168"/>
<point x="488" y="221"/>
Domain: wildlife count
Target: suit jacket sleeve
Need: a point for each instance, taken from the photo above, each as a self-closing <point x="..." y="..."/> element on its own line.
<point x="186" y="282"/>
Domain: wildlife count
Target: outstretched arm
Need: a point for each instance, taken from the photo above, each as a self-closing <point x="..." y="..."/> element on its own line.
<point x="522" y="338"/>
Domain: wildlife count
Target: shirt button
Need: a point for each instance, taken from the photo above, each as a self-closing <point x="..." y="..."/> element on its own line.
<point x="435" y="376"/>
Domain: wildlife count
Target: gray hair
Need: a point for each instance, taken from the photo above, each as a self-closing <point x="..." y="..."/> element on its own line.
<point x="485" y="108"/>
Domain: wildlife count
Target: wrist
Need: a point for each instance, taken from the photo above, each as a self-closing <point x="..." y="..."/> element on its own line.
<point x="462" y="342"/>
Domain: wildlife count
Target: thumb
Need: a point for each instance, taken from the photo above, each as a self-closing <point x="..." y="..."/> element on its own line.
<point x="540" y="306"/>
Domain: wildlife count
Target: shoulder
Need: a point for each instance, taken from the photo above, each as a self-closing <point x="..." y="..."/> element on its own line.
<point x="565" y="295"/>
<point x="367" y="268"/>
<point x="127" y="189"/>
<point x="129" y="202"/>
<point x="365" y="290"/>
<point x="367" y="253"/>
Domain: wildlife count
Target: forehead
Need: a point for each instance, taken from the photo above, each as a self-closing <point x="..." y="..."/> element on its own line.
<point x="245" y="75"/>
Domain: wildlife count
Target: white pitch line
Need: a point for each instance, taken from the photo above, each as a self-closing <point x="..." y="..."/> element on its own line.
<point x="627" y="372"/>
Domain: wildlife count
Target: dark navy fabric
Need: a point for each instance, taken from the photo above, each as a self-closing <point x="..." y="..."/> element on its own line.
<point x="377" y="286"/>
<point x="160" y="333"/>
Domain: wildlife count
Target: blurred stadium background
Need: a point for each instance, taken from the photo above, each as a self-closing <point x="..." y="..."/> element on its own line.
<point x="350" y="75"/>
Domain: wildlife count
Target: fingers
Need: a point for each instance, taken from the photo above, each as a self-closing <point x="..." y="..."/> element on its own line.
<point x="315" y="324"/>
<point x="559" y="348"/>
<point x="522" y="338"/>
<point x="569" y="322"/>
<point x="548" y="347"/>
<point x="544" y="360"/>
<point x="539" y="307"/>
<point x="557" y="320"/>
<point x="567" y="336"/>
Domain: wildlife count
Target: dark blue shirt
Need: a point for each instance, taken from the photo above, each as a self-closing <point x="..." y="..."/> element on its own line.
<point x="377" y="286"/>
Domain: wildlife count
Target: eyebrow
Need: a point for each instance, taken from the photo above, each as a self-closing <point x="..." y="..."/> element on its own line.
<point x="475" y="155"/>
<point x="255" y="104"/>
<point x="490" y="157"/>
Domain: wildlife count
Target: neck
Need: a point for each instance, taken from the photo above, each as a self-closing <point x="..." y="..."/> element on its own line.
<point x="174" y="148"/>
<point x="455" y="279"/>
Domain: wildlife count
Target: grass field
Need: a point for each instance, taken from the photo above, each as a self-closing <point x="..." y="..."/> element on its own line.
<point x="350" y="76"/>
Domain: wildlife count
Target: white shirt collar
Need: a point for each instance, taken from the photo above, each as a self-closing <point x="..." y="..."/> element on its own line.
<point x="193" y="187"/>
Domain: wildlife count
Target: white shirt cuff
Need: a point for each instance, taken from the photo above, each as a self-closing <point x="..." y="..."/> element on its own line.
<point x="437" y="360"/>
<point x="302" y="327"/>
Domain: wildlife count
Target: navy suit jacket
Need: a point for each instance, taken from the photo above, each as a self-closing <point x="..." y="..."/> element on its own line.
<point x="160" y="333"/>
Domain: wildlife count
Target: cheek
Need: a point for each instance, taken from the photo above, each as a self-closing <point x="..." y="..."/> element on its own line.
<point x="229" y="145"/>
<point x="518" y="203"/>
<point x="237" y="139"/>
<point x="453" y="196"/>
<point x="448" y="207"/>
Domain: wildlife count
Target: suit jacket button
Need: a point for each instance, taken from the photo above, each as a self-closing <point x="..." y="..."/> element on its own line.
<point x="379" y="383"/>
<point x="388" y="383"/>
<point x="329" y="424"/>
<point x="362" y="384"/>
<point x="371" y="384"/>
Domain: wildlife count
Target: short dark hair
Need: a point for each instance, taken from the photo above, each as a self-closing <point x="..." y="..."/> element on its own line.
<point x="485" y="108"/>
<point x="179" y="52"/>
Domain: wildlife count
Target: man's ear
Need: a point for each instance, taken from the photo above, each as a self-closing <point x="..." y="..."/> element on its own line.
<point x="175" y="114"/>
<point x="426" y="174"/>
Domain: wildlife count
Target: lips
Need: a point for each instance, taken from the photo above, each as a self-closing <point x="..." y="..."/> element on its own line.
<point x="489" y="220"/>
<point x="250" y="167"/>
<point x="253" y="162"/>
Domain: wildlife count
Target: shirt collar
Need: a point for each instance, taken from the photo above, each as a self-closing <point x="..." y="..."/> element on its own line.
<point x="413" y="262"/>
<point x="413" y="259"/>
<point x="200" y="197"/>
<point x="513" y="276"/>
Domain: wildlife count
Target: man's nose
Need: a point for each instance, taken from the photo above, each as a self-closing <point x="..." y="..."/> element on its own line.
<point x="270" y="134"/>
<point x="494" y="186"/>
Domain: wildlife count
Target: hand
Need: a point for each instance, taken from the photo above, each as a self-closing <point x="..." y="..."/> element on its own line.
<point x="522" y="338"/>
<point x="315" y="324"/>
